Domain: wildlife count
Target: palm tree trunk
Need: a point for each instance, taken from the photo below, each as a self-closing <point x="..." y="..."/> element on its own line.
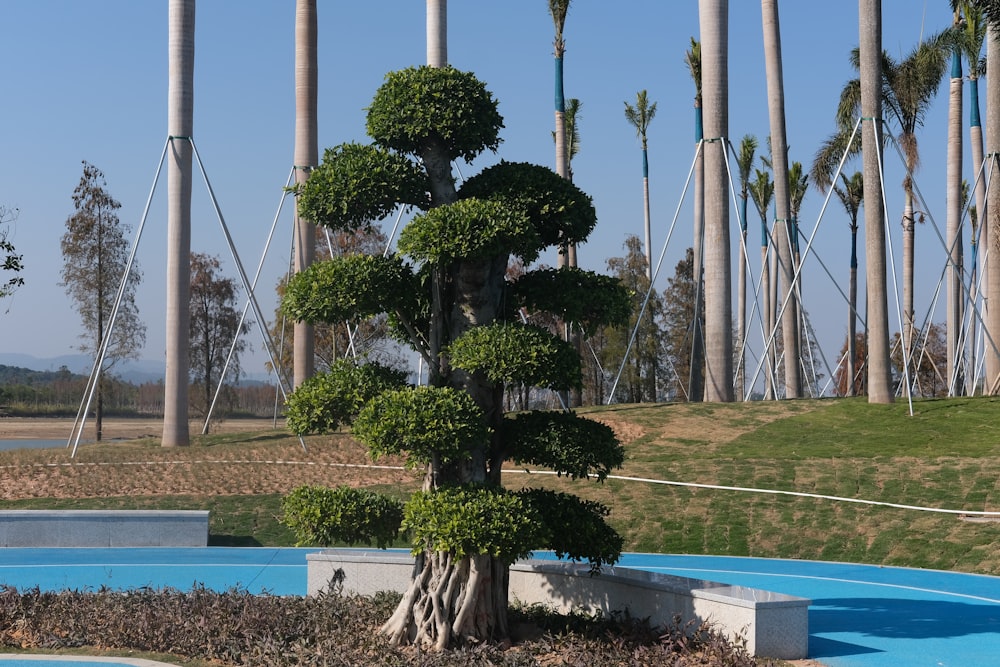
<point x="714" y="20"/>
<point x="645" y="215"/>
<point x="852" y="319"/>
<point x="741" y="309"/>
<point x="696" y="386"/>
<point x="765" y="318"/>
<point x="909" y="243"/>
<point x="306" y="157"/>
<point x="953" y="321"/>
<point x="783" y="232"/>
<point x="870" y="37"/>
<point x="180" y="125"/>
<point x="437" y="33"/>
<point x="991" y="221"/>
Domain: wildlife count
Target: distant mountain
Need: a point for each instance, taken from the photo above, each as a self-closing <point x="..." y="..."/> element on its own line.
<point x="136" y="372"/>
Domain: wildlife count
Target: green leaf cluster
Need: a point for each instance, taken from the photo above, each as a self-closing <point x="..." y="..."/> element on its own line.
<point x="422" y="423"/>
<point x="418" y="106"/>
<point x="322" y="516"/>
<point x="322" y="403"/>
<point x="564" y="442"/>
<point x="560" y="211"/>
<point x="470" y="229"/>
<point x="590" y="300"/>
<point x="358" y="184"/>
<point x="575" y="528"/>
<point x="472" y="520"/>
<point x="512" y="353"/>
<point x="347" y="287"/>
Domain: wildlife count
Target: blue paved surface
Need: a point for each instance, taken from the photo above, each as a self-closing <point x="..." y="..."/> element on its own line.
<point x="861" y="616"/>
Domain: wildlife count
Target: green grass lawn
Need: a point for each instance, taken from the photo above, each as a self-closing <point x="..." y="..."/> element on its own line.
<point x="946" y="455"/>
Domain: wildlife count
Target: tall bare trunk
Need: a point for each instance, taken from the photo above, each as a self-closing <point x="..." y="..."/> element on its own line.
<point x="909" y="248"/>
<point x="991" y="220"/>
<point x="766" y="319"/>
<point x="978" y="262"/>
<point x="783" y="225"/>
<point x="437" y="33"/>
<point x="696" y="385"/>
<point x="306" y="157"/>
<point x="953" y="321"/>
<point x="870" y="37"/>
<point x="714" y="20"/>
<point x="180" y="126"/>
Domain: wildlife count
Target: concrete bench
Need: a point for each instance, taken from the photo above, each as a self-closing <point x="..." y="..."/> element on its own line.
<point x="103" y="528"/>
<point x="772" y="624"/>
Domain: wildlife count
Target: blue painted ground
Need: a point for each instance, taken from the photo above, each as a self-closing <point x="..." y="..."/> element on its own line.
<point x="861" y="616"/>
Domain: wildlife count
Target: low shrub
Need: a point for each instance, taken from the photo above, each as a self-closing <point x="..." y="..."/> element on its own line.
<point x="237" y="628"/>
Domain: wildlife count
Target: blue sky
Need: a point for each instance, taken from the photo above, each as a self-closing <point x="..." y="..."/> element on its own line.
<point x="88" y="81"/>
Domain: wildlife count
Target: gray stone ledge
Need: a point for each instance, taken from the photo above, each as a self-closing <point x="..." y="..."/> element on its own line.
<point x="772" y="624"/>
<point x="103" y="528"/>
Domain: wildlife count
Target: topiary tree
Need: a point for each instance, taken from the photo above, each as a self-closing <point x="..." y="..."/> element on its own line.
<point x="446" y="295"/>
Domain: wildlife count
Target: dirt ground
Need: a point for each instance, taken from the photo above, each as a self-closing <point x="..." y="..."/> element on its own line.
<point x="26" y="428"/>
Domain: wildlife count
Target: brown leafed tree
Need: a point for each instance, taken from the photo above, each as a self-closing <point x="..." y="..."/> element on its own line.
<point x="216" y="330"/>
<point x="96" y="255"/>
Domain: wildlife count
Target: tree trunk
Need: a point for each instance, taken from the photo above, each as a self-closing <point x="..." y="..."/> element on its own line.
<point x="306" y="157"/>
<point x="852" y="318"/>
<point x="765" y="318"/>
<point x="991" y="222"/>
<point x="978" y="263"/>
<point x="451" y="600"/>
<point x="953" y="320"/>
<point x="783" y="225"/>
<point x="696" y="386"/>
<point x="180" y="126"/>
<point x="714" y="20"/>
<point x="909" y="242"/>
<point x="870" y="37"/>
<point x="437" y="33"/>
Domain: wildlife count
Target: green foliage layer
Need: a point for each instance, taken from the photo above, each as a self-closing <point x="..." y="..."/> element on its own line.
<point x="562" y="441"/>
<point x="585" y="298"/>
<point x="359" y="184"/>
<point x="510" y="353"/>
<point x="471" y="520"/>
<point x="328" y="400"/>
<point x="322" y="516"/>
<point x="348" y="287"/>
<point x="470" y="229"/>
<point x="561" y="212"/>
<point x="422" y="105"/>
<point x="422" y="423"/>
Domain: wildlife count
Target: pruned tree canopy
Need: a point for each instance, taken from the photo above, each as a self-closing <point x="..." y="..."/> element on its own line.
<point x="419" y="107"/>
<point x="561" y="212"/>
<point x="455" y="306"/>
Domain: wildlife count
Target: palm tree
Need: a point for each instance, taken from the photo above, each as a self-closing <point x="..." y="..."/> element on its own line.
<point x="954" y="284"/>
<point x="572" y="114"/>
<point x="990" y="220"/>
<point x="640" y="116"/>
<point x="306" y="157"/>
<point x="714" y="20"/>
<point x="851" y="194"/>
<point x="696" y="389"/>
<point x="870" y="87"/>
<point x="907" y="88"/>
<point x="762" y="192"/>
<point x="180" y="116"/>
<point x="912" y="85"/>
<point x="744" y="163"/>
<point x="437" y="33"/>
<point x="558" y="9"/>
<point x="783" y="231"/>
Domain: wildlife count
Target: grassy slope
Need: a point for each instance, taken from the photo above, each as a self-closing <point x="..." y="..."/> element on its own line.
<point x="945" y="455"/>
